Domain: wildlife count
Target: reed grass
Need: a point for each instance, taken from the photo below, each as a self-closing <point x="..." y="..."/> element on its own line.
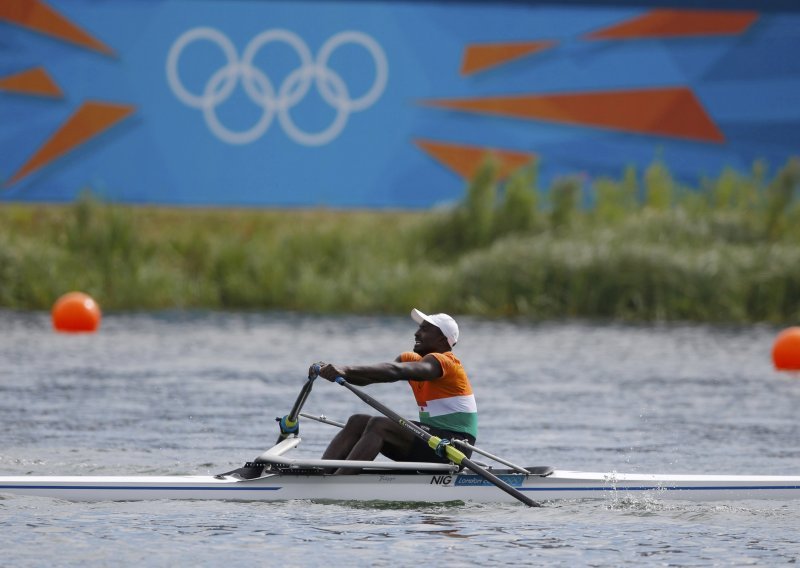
<point x="645" y="249"/>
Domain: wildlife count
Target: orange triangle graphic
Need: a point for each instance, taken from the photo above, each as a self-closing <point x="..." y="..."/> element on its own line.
<point x="466" y="160"/>
<point x="679" y="23"/>
<point x="90" y="120"/>
<point x="39" y="17"/>
<point x="672" y="112"/>
<point x="482" y="56"/>
<point x="34" y="81"/>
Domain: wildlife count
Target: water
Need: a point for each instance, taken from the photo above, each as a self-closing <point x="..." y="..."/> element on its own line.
<point x="197" y="394"/>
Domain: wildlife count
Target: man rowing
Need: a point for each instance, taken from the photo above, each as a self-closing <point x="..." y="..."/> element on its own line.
<point x="447" y="407"/>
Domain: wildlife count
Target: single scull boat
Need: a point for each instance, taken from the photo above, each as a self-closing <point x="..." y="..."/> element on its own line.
<point x="278" y="478"/>
<point x="273" y="476"/>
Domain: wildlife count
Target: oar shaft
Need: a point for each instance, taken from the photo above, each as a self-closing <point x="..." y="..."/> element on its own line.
<point x="492" y="478"/>
<point x="452" y="453"/>
<point x="385" y="410"/>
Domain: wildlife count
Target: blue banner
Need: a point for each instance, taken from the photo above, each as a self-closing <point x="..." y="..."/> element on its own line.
<point x="378" y="104"/>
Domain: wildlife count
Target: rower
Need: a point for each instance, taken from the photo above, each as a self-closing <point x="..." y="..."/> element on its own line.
<point x="447" y="407"/>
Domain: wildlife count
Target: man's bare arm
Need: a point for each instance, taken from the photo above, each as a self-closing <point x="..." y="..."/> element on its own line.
<point x="427" y="369"/>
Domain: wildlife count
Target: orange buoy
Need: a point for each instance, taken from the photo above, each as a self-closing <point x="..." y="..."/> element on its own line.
<point x="76" y="312"/>
<point x="786" y="351"/>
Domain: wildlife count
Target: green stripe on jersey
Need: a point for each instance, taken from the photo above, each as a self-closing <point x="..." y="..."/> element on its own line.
<point x="457" y="422"/>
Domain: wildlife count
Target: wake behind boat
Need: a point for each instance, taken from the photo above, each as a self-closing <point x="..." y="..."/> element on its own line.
<point x="274" y="476"/>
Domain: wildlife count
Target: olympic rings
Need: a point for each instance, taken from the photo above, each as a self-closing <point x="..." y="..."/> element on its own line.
<point x="262" y="92"/>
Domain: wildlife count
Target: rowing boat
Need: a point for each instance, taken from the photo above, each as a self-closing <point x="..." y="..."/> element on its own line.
<point x="401" y="486"/>
<point x="276" y="477"/>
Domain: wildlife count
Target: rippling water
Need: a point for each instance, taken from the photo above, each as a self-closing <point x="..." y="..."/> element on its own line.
<point x="197" y="393"/>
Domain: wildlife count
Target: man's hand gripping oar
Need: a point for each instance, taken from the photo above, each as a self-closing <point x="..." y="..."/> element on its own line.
<point x="437" y="444"/>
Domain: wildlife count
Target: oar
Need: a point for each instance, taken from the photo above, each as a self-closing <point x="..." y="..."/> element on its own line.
<point x="434" y="442"/>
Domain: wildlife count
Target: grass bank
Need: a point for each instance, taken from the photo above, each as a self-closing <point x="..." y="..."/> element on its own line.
<point x="638" y="248"/>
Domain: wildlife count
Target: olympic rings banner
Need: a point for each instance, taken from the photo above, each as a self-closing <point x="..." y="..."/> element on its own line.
<point x="381" y="104"/>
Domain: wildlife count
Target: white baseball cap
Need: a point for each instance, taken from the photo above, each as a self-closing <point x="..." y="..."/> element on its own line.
<point x="446" y="324"/>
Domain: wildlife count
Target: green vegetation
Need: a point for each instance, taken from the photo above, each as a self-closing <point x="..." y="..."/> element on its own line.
<point x="726" y="252"/>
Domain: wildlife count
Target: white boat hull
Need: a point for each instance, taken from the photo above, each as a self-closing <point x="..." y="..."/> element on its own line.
<point x="404" y="487"/>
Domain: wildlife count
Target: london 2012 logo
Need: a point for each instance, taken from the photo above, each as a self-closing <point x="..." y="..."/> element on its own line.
<point x="312" y="71"/>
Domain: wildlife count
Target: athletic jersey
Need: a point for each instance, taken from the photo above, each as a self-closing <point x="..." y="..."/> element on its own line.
<point x="446" y="402"/>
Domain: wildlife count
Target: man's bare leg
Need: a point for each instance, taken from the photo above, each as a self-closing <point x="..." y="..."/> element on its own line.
<point x="343" y="443"/>
<point x="377" y="433"/>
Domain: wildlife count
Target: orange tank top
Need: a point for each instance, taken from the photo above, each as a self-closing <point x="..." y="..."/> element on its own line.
<point x="447" y="402"/>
